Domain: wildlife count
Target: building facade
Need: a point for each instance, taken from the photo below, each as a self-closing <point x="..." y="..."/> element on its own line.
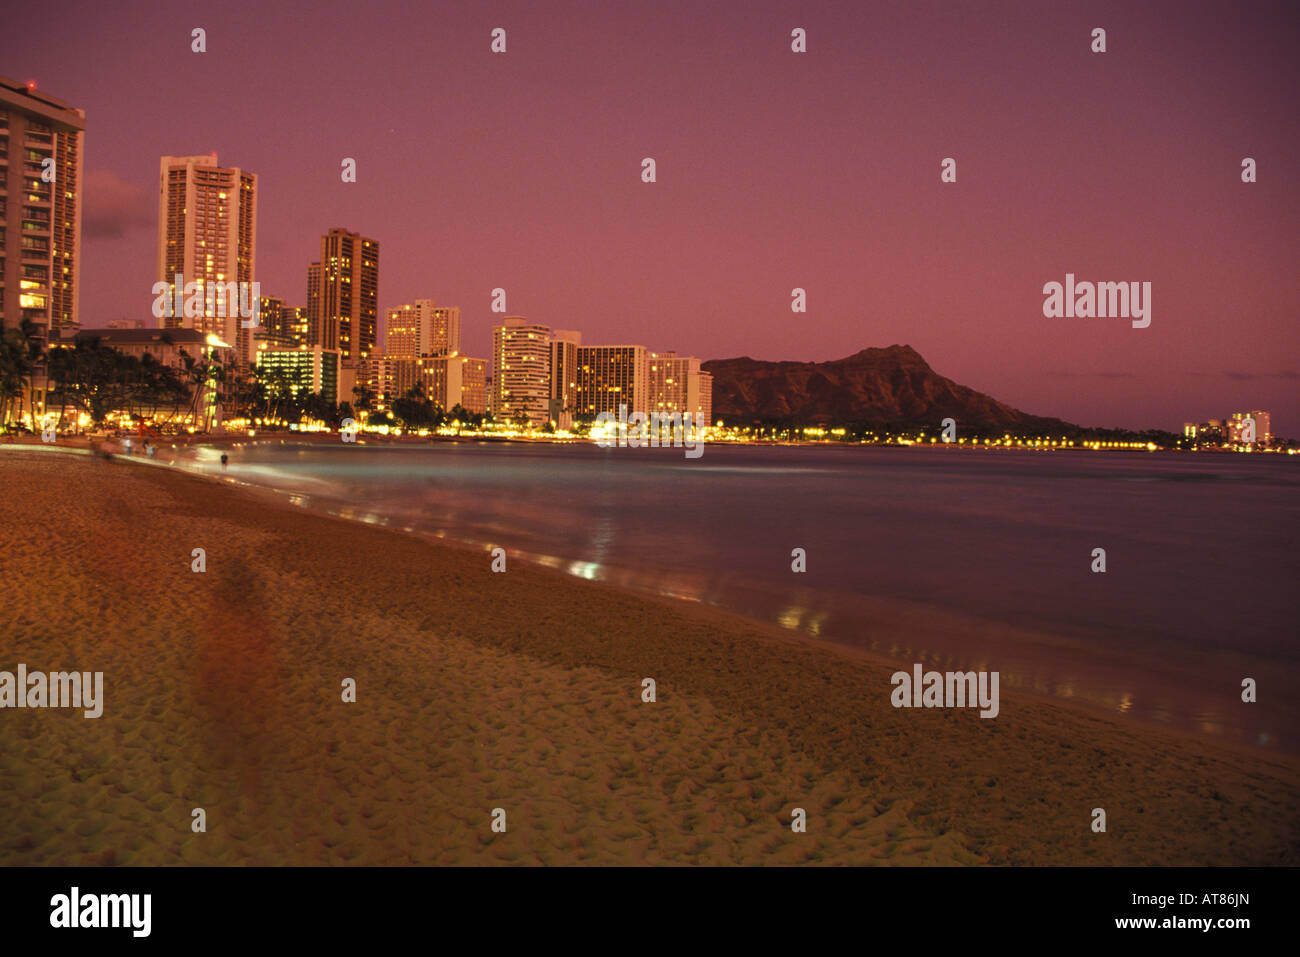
<point x="521" y="371"/>
<point x="564" y="377"/>
<point x="610" y="376"/>
<point x="309" y="369"/>
<point x="207" y="234"/>
<point x="343" y="295"/>
<point x="41" y="156"/>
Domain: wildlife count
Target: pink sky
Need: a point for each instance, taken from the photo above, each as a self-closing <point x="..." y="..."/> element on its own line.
<point x="775" y="170"/>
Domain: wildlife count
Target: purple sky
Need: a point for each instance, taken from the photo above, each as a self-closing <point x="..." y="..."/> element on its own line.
<point x="775" y="170"/>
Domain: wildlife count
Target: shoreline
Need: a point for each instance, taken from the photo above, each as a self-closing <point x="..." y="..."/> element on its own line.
<point x="806" y="713"/>
<point x="83" y="440"/>
<point x="278" y="497"/>
<point x="268" y="496"/>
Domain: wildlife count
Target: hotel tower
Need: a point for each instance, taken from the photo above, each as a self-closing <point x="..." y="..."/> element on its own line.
<point x="207" y="234"/>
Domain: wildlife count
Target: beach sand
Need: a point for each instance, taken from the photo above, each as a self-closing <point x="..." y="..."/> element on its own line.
<point x="519" y="691"/>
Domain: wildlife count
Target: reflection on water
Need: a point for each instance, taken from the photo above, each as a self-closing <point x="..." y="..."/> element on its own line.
<point x="966" y="561"/>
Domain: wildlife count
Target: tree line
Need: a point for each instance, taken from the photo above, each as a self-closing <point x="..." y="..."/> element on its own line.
<point x="95" y="379"/>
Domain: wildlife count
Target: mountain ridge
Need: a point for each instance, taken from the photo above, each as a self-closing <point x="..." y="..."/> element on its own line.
<point x="892" y="386"/>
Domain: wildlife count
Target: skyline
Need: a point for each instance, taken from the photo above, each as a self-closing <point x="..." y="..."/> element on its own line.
<point x="703" y="260"/>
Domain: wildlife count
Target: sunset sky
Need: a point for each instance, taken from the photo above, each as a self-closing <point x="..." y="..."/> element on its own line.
<point x="775" y="170"/>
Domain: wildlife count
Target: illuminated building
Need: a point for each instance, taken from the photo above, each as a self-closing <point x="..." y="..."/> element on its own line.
<point x="564" y="377"/>
<point x="207" y="234"/>
<point x="521" y="371"/>
<point x="1237" y="428"/>
<point x="40" y="218"/>
<point x="343" y="295"/>
<point x="422" y="329"/>
<point x="308" y="369"/>
<point x="610" y="376"/>
<point x="678" y="385"/>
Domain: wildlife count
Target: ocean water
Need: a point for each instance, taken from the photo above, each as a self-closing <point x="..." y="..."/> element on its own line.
<point x="957" y="559"/>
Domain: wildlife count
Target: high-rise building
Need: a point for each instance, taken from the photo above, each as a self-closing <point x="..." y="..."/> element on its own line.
<point x="610" y="376"/>
<point x="343" y="294"/>
<point x="407" y="330"/>
<point x="446" y="331"/>
<point x="704" y="414"/>
<point x="450" y="381"/>
<point x="678" y="385"/>
<point x="293" y="324"/>
<point x="564" y="376"/>
<point x="309" y="369"/>
<point x="521" y="371"/>
<point x="207" y="234"/>
<point x="281" y="325"/>
<point x="268" y="328"/>
<point x="315" y="324"/>
<point x="1237" y="432"/>
<point x="422" y="329"/>
<point x="41" y="149"/>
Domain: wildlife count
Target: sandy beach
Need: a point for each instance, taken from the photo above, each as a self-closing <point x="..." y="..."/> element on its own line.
<point x="519" y="691"/>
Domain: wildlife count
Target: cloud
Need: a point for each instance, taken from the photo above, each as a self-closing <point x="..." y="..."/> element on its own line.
<point x="114" y="206"/>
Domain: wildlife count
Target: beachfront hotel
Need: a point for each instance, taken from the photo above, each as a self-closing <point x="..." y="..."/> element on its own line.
<point x="521" y="371"/>
<point x="40" y="222"/>
<point x="447" y="381"/>
<point x="1232" y="430"/>
<point x="564" y="376"/>
<point x="307" y="369"/>
<point x="343" y="295"/>
<point x="1263" y="428"/>
<point x="207" y="233"/>
<point x="610" y="376"/>
<point x="422" y="329"/>
<point x="678" y="385"/>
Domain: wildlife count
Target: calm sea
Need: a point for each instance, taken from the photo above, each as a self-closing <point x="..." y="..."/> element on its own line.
<point x="957" y="559"/>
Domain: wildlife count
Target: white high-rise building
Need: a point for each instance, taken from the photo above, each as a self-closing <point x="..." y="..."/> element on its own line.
<point x="207" y="234"/>
<point x="521" y="371"/>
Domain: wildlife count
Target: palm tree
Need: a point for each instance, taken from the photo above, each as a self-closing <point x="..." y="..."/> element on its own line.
<point x="21" y="353"/>
<point x="365" y="397"/>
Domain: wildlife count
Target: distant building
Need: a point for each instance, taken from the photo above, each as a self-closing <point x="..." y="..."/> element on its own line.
<point x="450" y="381"/>
<point x="705" y="410"/>
<point x="309" y="369"/>
<point x="1234" y="430"/>
<point x="564" y="377"/>
<point x="1238" y="431"/>
<point x="278" y="322"/>
<point x="610" y="376"/>
<point x="343" y="295"/>
<point x="165" y="345"/>
<point x="678" y="385"/>
<point x="446" y="331"/>
<point x="521" y="370"/>
<point x="207" y="234"/>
